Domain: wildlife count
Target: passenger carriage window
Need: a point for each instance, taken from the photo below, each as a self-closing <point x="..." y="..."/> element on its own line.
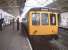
<point x="35" y="18"/>
<point x="44" y="18"/>
<point x="52" y="19"/>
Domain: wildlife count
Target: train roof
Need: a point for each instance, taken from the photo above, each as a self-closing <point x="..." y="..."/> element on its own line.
<point x="26" y="10"/>
<point x="44" y="9"/>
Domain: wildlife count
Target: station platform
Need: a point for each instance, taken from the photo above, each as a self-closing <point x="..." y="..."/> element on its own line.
<point x="11" y="39"/>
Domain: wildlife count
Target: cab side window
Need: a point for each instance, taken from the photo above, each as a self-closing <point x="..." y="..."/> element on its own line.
<point x="35" y="18"/>
<point x="44" y="18"/>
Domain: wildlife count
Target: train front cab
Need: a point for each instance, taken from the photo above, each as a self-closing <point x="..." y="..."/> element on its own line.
<point x="43" y="24"/>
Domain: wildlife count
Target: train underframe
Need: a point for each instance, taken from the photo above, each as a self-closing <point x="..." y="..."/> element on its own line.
<point x="43" y="37"/>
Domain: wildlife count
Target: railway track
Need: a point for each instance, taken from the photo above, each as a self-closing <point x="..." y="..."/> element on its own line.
<point x="46" y="45"/>
<point x="42" y="46"/>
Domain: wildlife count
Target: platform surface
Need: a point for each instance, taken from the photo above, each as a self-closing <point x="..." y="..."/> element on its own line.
<point x="11" y="39"/>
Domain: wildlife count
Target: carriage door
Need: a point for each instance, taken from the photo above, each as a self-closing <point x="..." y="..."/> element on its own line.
<point x="53" y="23"/>
<point x="44" y="23"/>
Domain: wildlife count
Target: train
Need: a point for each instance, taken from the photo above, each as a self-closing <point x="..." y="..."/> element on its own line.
<point x="41" y="23"/>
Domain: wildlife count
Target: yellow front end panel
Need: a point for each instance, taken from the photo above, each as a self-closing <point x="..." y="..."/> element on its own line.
<point x="42" y="29"/>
